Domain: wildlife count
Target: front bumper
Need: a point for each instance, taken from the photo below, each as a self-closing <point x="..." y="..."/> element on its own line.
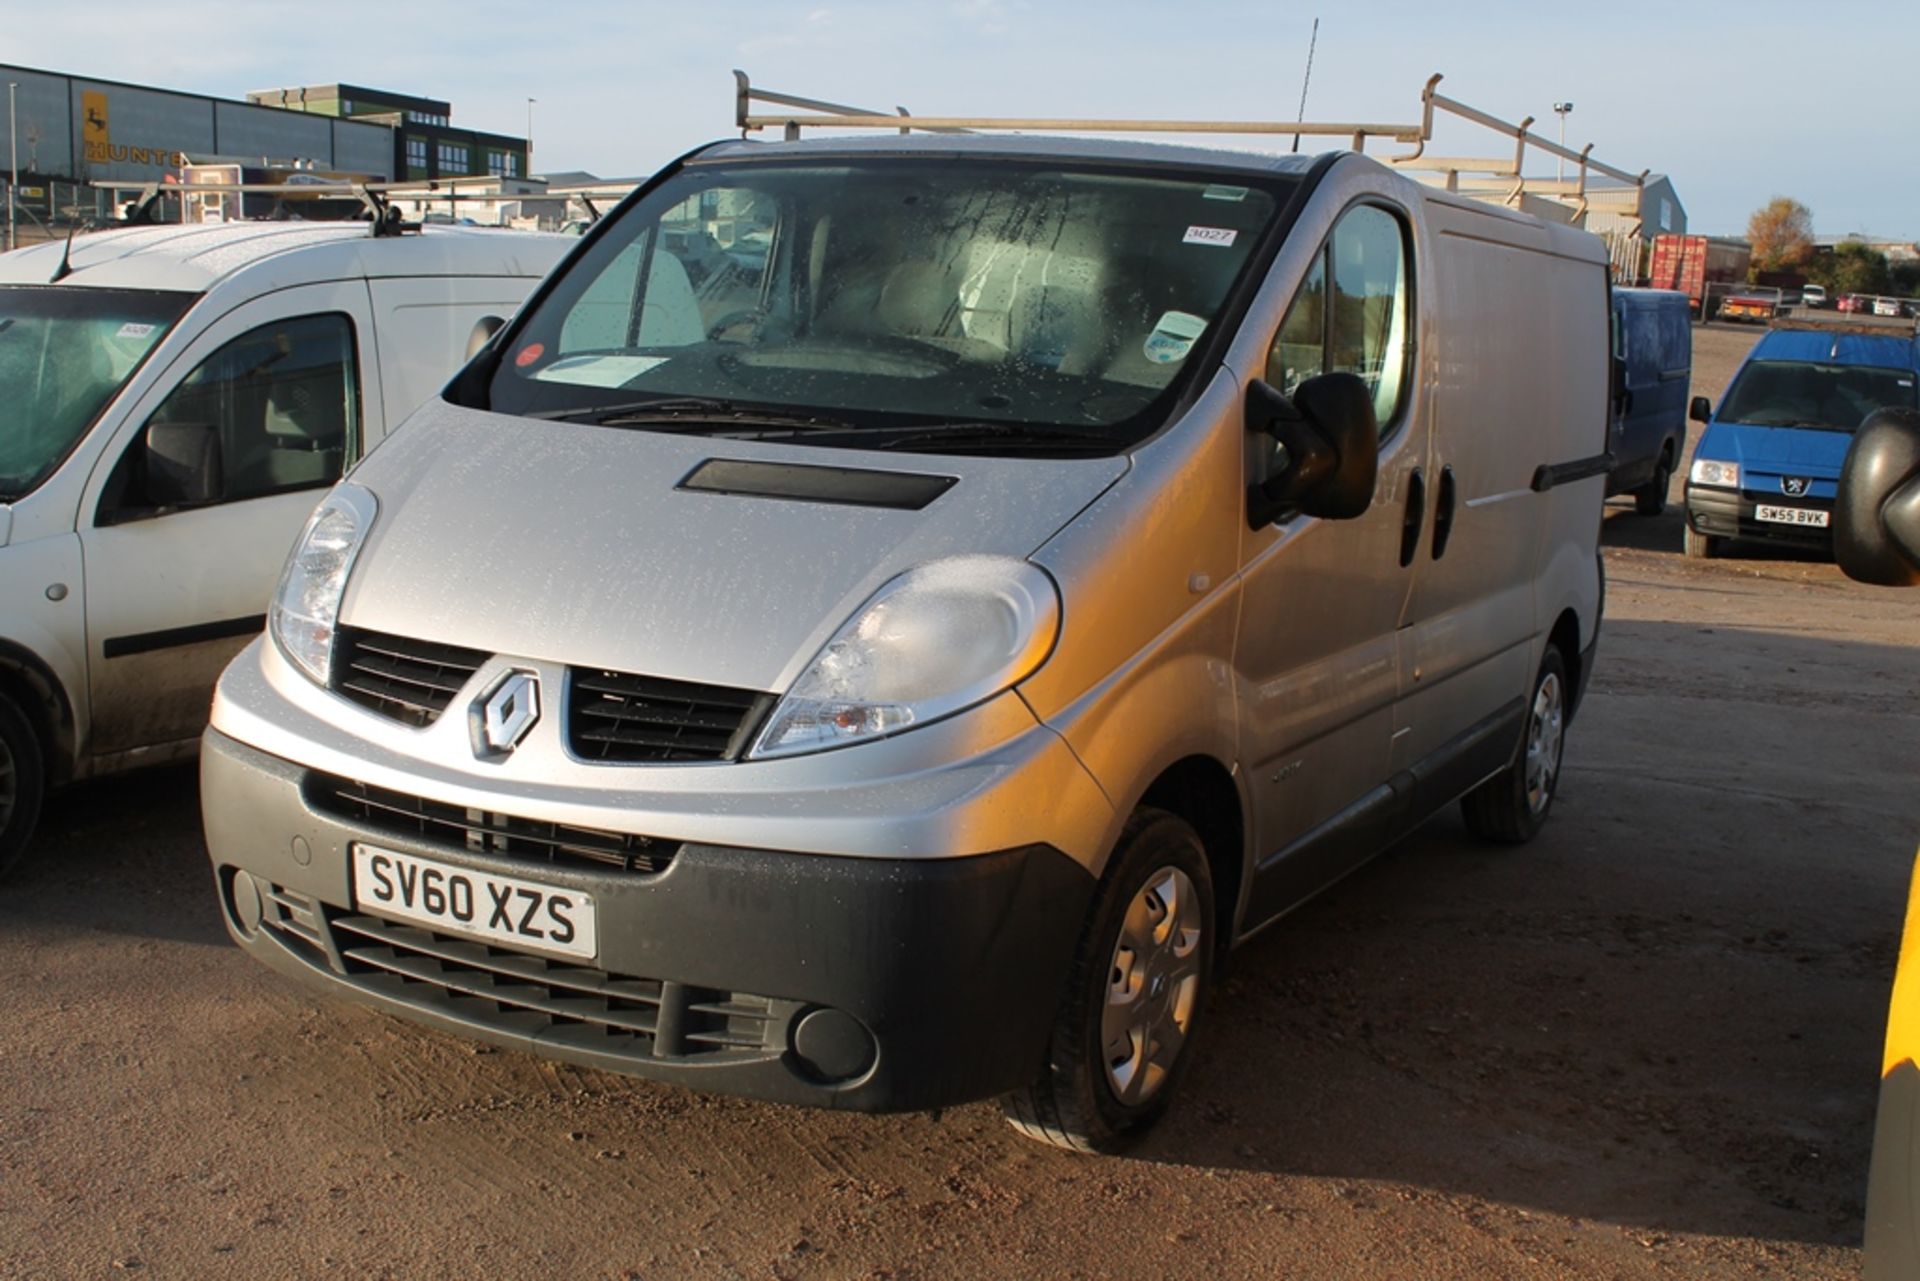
<point x="862" y="983"/>
<point x="1726" y="513"/>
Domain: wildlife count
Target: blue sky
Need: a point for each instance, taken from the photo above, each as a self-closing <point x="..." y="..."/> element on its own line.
<point x="1737" y="102"/>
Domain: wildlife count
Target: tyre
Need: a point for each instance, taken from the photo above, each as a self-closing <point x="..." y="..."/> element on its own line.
<point x="1700" y="546"/>
<point x="1511" y="806"/>
<point x="22" y="781"/>
<point x="1651" y="498"/>
<point x="1140" y="976"/>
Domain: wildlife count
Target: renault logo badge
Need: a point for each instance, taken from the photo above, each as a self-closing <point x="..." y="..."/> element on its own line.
<point x="502" y="717"/>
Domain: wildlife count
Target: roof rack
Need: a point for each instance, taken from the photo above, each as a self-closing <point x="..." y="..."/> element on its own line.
<point x="1500" y="180"/>
<point x="386" y="220"/>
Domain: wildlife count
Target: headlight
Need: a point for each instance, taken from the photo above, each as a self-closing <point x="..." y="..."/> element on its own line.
<point x="301" y="618"/>
<point x="1707" y="472"/>
<point x="936" y="640"/>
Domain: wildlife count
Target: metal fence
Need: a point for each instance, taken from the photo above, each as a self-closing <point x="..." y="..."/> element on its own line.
<point x="43" y="210"/>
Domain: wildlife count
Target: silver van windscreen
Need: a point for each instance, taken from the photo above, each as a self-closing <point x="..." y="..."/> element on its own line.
<point x="1026" y="299"/>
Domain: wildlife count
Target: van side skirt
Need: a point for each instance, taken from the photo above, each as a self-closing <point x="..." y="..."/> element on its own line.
<point x="1290" y="876"/>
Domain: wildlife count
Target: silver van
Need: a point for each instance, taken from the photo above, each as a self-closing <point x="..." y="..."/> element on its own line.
<point x="888" y="614"/>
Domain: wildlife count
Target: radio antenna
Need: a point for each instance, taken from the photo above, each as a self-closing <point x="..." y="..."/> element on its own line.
<point x="1312" y="40"/>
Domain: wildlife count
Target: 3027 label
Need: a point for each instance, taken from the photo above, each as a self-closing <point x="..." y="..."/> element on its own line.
<point x="1221" y="237"/>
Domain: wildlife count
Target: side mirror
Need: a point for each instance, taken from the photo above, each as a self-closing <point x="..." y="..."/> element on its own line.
<point x="1876" y="512"/>
<point x="1330" y="446"/>
<point x="183" y="464"/>
<point x="483" y="331"/>
<point x="1701" y="410"/>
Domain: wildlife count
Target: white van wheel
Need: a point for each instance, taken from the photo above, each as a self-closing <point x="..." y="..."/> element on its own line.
<point x="22" y="779"/>
<point x="1124" y="1032"/>
<point x="1512" y="806"/>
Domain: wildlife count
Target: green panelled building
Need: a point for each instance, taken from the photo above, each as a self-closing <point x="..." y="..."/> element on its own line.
<point x="426" y="144"/>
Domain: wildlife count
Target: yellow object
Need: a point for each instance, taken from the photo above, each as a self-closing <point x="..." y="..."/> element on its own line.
<point x="1903" y="1012"/>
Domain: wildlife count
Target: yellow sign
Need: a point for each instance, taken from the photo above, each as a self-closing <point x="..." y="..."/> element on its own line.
<point x="97" y="140"/>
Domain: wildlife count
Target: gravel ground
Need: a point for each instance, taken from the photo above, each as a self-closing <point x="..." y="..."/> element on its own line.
<point x="1644" y="1046"/>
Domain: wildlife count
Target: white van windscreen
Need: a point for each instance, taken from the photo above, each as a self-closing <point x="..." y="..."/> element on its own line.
<point x="883" y="300"/>
<point x="64" y="352"/>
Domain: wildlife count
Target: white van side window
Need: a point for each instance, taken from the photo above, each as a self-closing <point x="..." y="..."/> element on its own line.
<point x="1365" y="329"/>
<point x="284" y="400"/>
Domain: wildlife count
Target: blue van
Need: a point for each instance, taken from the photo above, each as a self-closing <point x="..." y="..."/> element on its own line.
<point x="1767" y="465"/>
<point x="1653" y="354"/>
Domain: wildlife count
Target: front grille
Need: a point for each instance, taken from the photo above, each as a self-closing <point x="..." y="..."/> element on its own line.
<point x="556" y="1001"/>
<point x="620" y="717"/>
<point x="408" y="680"/>
<point x="483" y="831"/>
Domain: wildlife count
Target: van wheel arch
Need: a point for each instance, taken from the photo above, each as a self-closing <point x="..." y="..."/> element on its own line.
<point x="1201" y="791"/>
<point x="42" y="699"/>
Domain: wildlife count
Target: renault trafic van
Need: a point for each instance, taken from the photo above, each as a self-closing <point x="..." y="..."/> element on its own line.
<point x="1653" y="354"/>
<point x="890" y="667"/>
<point x="173" y="402"/>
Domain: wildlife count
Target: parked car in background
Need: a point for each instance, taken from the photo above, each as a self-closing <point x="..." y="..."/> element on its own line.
<point x="1855" y="303"/>
<point x="1814" y="296"/>
<point x="1884" y="306"/>
<point x="1653" y="351"/>
<point x="1043" y="567"/>
<point x="1768" y="462"/>
<point x="176" y="401"/>
<point x="1755" y="304"/>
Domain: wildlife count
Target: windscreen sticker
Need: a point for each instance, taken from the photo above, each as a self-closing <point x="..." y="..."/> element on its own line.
<point x="528" y="354"/>
<point x="599" y="371"/>
<point x="1220" y="236"/>
<point x="1220" y="192"/>
<point x="133" y="329"/>
<point x="1173" y="337"/>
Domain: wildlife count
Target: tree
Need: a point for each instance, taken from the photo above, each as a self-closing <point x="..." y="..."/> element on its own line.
<point x="1781" y="233"/>
<point x="1851" y="268"/>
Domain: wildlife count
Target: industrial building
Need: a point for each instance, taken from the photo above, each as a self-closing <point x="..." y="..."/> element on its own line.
<point x="71" y="131"/>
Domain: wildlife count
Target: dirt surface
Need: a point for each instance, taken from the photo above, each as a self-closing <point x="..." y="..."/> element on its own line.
<point x="1644" y="1046"/>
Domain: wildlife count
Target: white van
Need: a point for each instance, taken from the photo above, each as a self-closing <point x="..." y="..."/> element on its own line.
<point x="173" y="401"/>
<point x="884" y="663"/>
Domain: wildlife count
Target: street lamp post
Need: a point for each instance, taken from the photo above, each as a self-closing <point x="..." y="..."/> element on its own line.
<point x="13" y="160"/>
<point x="1561" y="109"/>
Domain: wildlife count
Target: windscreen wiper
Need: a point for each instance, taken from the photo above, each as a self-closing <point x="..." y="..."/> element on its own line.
<point x="696" y="412"/>
<point x="1024" y="438"/>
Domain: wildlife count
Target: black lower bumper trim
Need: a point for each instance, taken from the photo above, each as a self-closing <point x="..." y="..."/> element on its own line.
<point x="871" y="984"/>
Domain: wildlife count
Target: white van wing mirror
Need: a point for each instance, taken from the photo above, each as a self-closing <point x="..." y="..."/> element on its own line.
<point x="1330" y="447"/>
<point x="1876" y="512"/>
<point x="483" y="331"/>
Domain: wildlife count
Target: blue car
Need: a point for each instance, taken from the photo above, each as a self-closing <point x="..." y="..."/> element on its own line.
<point x="1767" y="465"/>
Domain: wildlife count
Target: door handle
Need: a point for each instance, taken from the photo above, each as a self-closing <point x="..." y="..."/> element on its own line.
<point x="1415" y="517"/>
<point x="1443" y="511"/>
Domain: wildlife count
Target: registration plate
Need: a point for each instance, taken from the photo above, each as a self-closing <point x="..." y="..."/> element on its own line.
<point x="499" y="909"/>
<point x="1792" y="515"/>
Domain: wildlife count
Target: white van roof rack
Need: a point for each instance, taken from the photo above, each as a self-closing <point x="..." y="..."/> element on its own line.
<point x="1500" y="179"/>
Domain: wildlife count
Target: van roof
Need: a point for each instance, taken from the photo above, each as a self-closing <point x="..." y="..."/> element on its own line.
<point x="193" y="258"/>
<point x="1110" y="150"/>
<point x="1887" y="351"/>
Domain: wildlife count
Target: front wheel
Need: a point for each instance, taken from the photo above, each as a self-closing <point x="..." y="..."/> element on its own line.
<point x="1511" y="806"/>
<point x="1700" y="546"/>
<point x="1124" y="1031"/>
<point x="22" y="780"/>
